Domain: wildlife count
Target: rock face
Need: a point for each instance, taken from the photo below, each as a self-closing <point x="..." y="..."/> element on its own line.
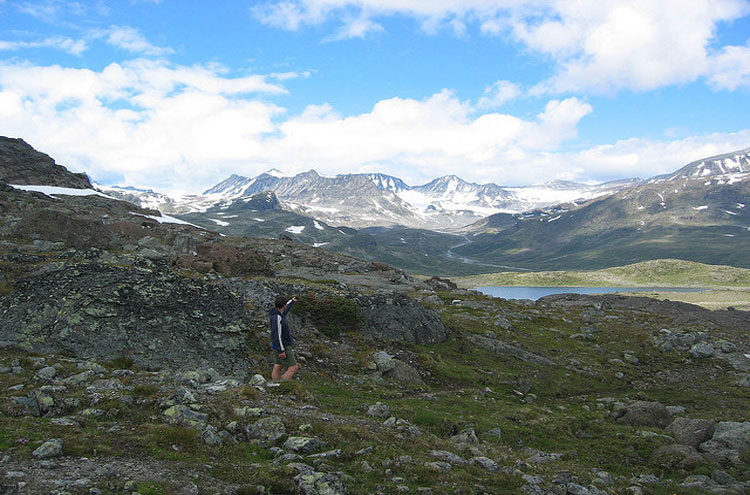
<point x="730" y="441"/>
<point x="400" y="318"/>
<point x="21" y="164"/>
<point x="149" y="314"/>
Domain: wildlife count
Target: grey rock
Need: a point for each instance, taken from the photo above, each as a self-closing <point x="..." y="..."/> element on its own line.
<point x="692" y="432"/>
<point x="65" y="422"/>
<point x="384" y="361"/>
<point x="503" y="323"/>
<point x="79" y="378"/>
<point x="744" y="381"/>
<point x="331" y="454"/>
<point x="698" y="481"/>
<point x="730" y="441"/>
<point x="544" y="458"/>
<point x="495" y="432"/>
<point x="379" y="410"/>
<point x="722" y="477"/>
<point x="677" y="456"/>
<point x="467" y="436"/>
<point x="504" y="349"/>
<point x="576" y="489"/>
<point x="49" y="449"/>
<point x="439" y="466"/>
<point x="317" y="483"/>
<point x="486" y="463"/>
<point x="210" y="436"/>
<point x="106" y="384"/>
<point x="644" y="413"/>
<point x="702" y="350"/>
<point x="444" y="455"/>
<point x="46" y="374"/>
<point x="184" y="415"/>
<point x="267" y="430"/>
<point x="727" y="347"/>
<point x="630" y="358"/>
<point x="304" y="445"/>
<point x="258" y="381"/>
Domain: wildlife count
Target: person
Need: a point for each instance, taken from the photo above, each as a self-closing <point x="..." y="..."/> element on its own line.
<point x="282" y="341"/>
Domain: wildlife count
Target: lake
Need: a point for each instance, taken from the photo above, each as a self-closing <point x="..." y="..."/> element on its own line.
<point x="535" y="293"/>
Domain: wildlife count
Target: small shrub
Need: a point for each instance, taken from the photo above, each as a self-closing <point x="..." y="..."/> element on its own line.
<point x="330" y="314"/>
<point x="151" y="488"/>
<point x="121" y="363"/>
<point x="145" y="390"/>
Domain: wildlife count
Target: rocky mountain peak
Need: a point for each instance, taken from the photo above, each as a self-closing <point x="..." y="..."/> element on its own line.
<point x="21" y="164"/>
<point x="737" y="162"/>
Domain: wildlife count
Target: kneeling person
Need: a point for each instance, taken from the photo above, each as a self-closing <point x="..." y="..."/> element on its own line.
<point x="282" y="341"/>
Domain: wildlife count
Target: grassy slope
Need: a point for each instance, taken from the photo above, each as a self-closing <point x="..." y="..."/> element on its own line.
<point x="656" y="273"/>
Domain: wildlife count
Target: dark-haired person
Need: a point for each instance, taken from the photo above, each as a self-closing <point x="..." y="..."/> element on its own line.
<point x="282" y="341"/>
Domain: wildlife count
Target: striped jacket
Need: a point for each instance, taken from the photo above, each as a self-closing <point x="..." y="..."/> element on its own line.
<point x="281" y="334"/>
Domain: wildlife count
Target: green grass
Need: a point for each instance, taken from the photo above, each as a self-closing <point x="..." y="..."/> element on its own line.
<point x="660" y="273"/>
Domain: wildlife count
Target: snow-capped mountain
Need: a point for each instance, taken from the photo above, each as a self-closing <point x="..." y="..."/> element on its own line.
<point x="728" y="165"/>
<point x="366" y="200"/>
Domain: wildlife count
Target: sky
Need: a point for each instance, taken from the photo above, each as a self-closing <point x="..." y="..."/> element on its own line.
<point x="176" y="95"/>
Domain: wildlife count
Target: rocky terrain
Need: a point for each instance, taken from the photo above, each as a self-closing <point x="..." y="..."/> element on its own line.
<point x="134" y="359"/>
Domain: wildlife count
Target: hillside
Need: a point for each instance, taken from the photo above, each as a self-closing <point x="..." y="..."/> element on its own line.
<point x="134" y="359"/>
<point x="655" y="273"/>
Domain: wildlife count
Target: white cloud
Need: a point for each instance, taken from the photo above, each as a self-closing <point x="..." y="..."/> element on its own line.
<point x="499" y="93"/>
<point x="68" y="45"/>
<point x="730" y="69"/>
<point x="177" y="128"/>
<point x="601" y="46"/>
<point x="130" y="39"/>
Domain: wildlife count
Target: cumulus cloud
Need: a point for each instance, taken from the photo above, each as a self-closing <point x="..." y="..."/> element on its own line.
<point x="602" y="47"/>
<point x="499" y="93"/>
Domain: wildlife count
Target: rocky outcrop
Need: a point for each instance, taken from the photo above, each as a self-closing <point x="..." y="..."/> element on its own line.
<point x="145" y="312"/>
<point x="22" y="164"/>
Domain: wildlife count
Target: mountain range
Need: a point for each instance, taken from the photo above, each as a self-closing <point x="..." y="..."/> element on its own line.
<point x="376" y="200"/>
<point x="698" y="213"/>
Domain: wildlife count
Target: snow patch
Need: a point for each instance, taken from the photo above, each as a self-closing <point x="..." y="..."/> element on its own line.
<point x="317" y="225"/>
<point x="221" y="223"/>
<point x="319" y="244"/>
<point x="165" y="219"/>
<point x="699" y="208"/>
<point x="51" y="191"/>
<point x="295" y="229"/>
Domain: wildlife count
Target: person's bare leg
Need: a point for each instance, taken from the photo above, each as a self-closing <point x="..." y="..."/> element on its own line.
<point x="290" y="372"/>
<point x="276" y="372"/>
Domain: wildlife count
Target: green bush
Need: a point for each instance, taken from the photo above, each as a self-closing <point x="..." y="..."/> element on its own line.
<point x="330" y="314"/>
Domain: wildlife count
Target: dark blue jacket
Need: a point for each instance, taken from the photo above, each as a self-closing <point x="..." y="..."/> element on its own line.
<point x="281" y="334"/>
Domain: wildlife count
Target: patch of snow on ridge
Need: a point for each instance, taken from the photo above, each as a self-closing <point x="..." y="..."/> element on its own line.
<point x="295" y="229"/>
<point x="699" y="208"/>
<point x="166" y="219"/>
<point x="221" y="223"/>
<point x="62" y="191"/>
<point x="317" y="225"/>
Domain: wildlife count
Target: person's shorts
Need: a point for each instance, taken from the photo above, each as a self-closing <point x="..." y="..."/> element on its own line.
<point x="291" y="358"/>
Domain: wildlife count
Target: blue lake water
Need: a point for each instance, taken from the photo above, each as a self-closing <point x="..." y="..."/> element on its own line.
<point x="535" y="293"/>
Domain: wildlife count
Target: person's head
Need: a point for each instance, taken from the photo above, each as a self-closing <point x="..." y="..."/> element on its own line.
<point x="280" y="302"/>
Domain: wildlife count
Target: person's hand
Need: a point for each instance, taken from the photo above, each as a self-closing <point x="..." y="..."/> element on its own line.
<point x="282" y="355"/>
<point x="294" y="298"/>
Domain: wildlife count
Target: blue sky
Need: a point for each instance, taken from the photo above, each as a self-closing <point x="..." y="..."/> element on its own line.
<point x="176" y="95"/>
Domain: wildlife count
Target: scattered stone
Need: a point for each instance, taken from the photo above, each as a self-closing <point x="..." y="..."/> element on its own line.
<point x="379" y="410"/>
<point x="677" y="456"/>
<point x="183" y="414"/>
<point x="79" y="379"/>
<point x="104" y="385"/>
<point x="439" y="466"/>
<point x="304" y="445"/>
<point x="64" y="422"/>
<point x="467" y="436"/>
<point x="46" y="374"/>
<point x="444" y="455"/>
<point x="258" y="381"/>
<point x="643" y="413"/>
<point x="692" y="432"/>
<point x="248" y="412"/>
<point x="49" y="449"/>
<point x="267" y="430"/>
<point x="317" y="483"/>
<point x="744" y="381"/>
<point x="495" y="432"/>
<point x="730" y="441"/>
<point x="727" y="347"/>
<point x="544" y="458"/>
<point x="699" y="481"/>
<point x="630" y="358"/>
<point x="486" y="463"/>
<point x="702" y="350"/>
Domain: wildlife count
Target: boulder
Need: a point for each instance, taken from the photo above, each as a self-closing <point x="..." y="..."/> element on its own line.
<point x="267" y="430"/>
<point x="444" y="455"/>
<point x="677" y="456"/>
<point x="46" y="374"/>
<point x="467" y="436"/>
<point x="730" y="442"/>
<point x="304" y="445"/>
<point x="644" y="413"/>
<point x="486" y="463"/>
<point x="702" y="350"/>
<point x="184" y="415"/>
<point x="379" y="410"/>
<point x="50" y="448"/>
<point x="317" y="483"/>
<point x="692" y="432"/>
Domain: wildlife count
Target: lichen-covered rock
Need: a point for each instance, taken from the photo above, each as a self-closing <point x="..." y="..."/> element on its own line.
<point x="379" y="410"/>
<point x="692" y="432"/>
<point x="730" y="442"/>
<point x="467" y="436"/>
<point x="96" y="311"/>
<point x="304" y="445"/>
<point x="702" y="350"/>
<point x="267" y="430"/>
<point x="486" y="463"/>
<point x="317" y="483"/>
<point x="184" y="415"/>
<point x="50" y="448"/>
<point x="677" y="456"/>
<point x="444" y="455"/>
<point x="644" y="413"/>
